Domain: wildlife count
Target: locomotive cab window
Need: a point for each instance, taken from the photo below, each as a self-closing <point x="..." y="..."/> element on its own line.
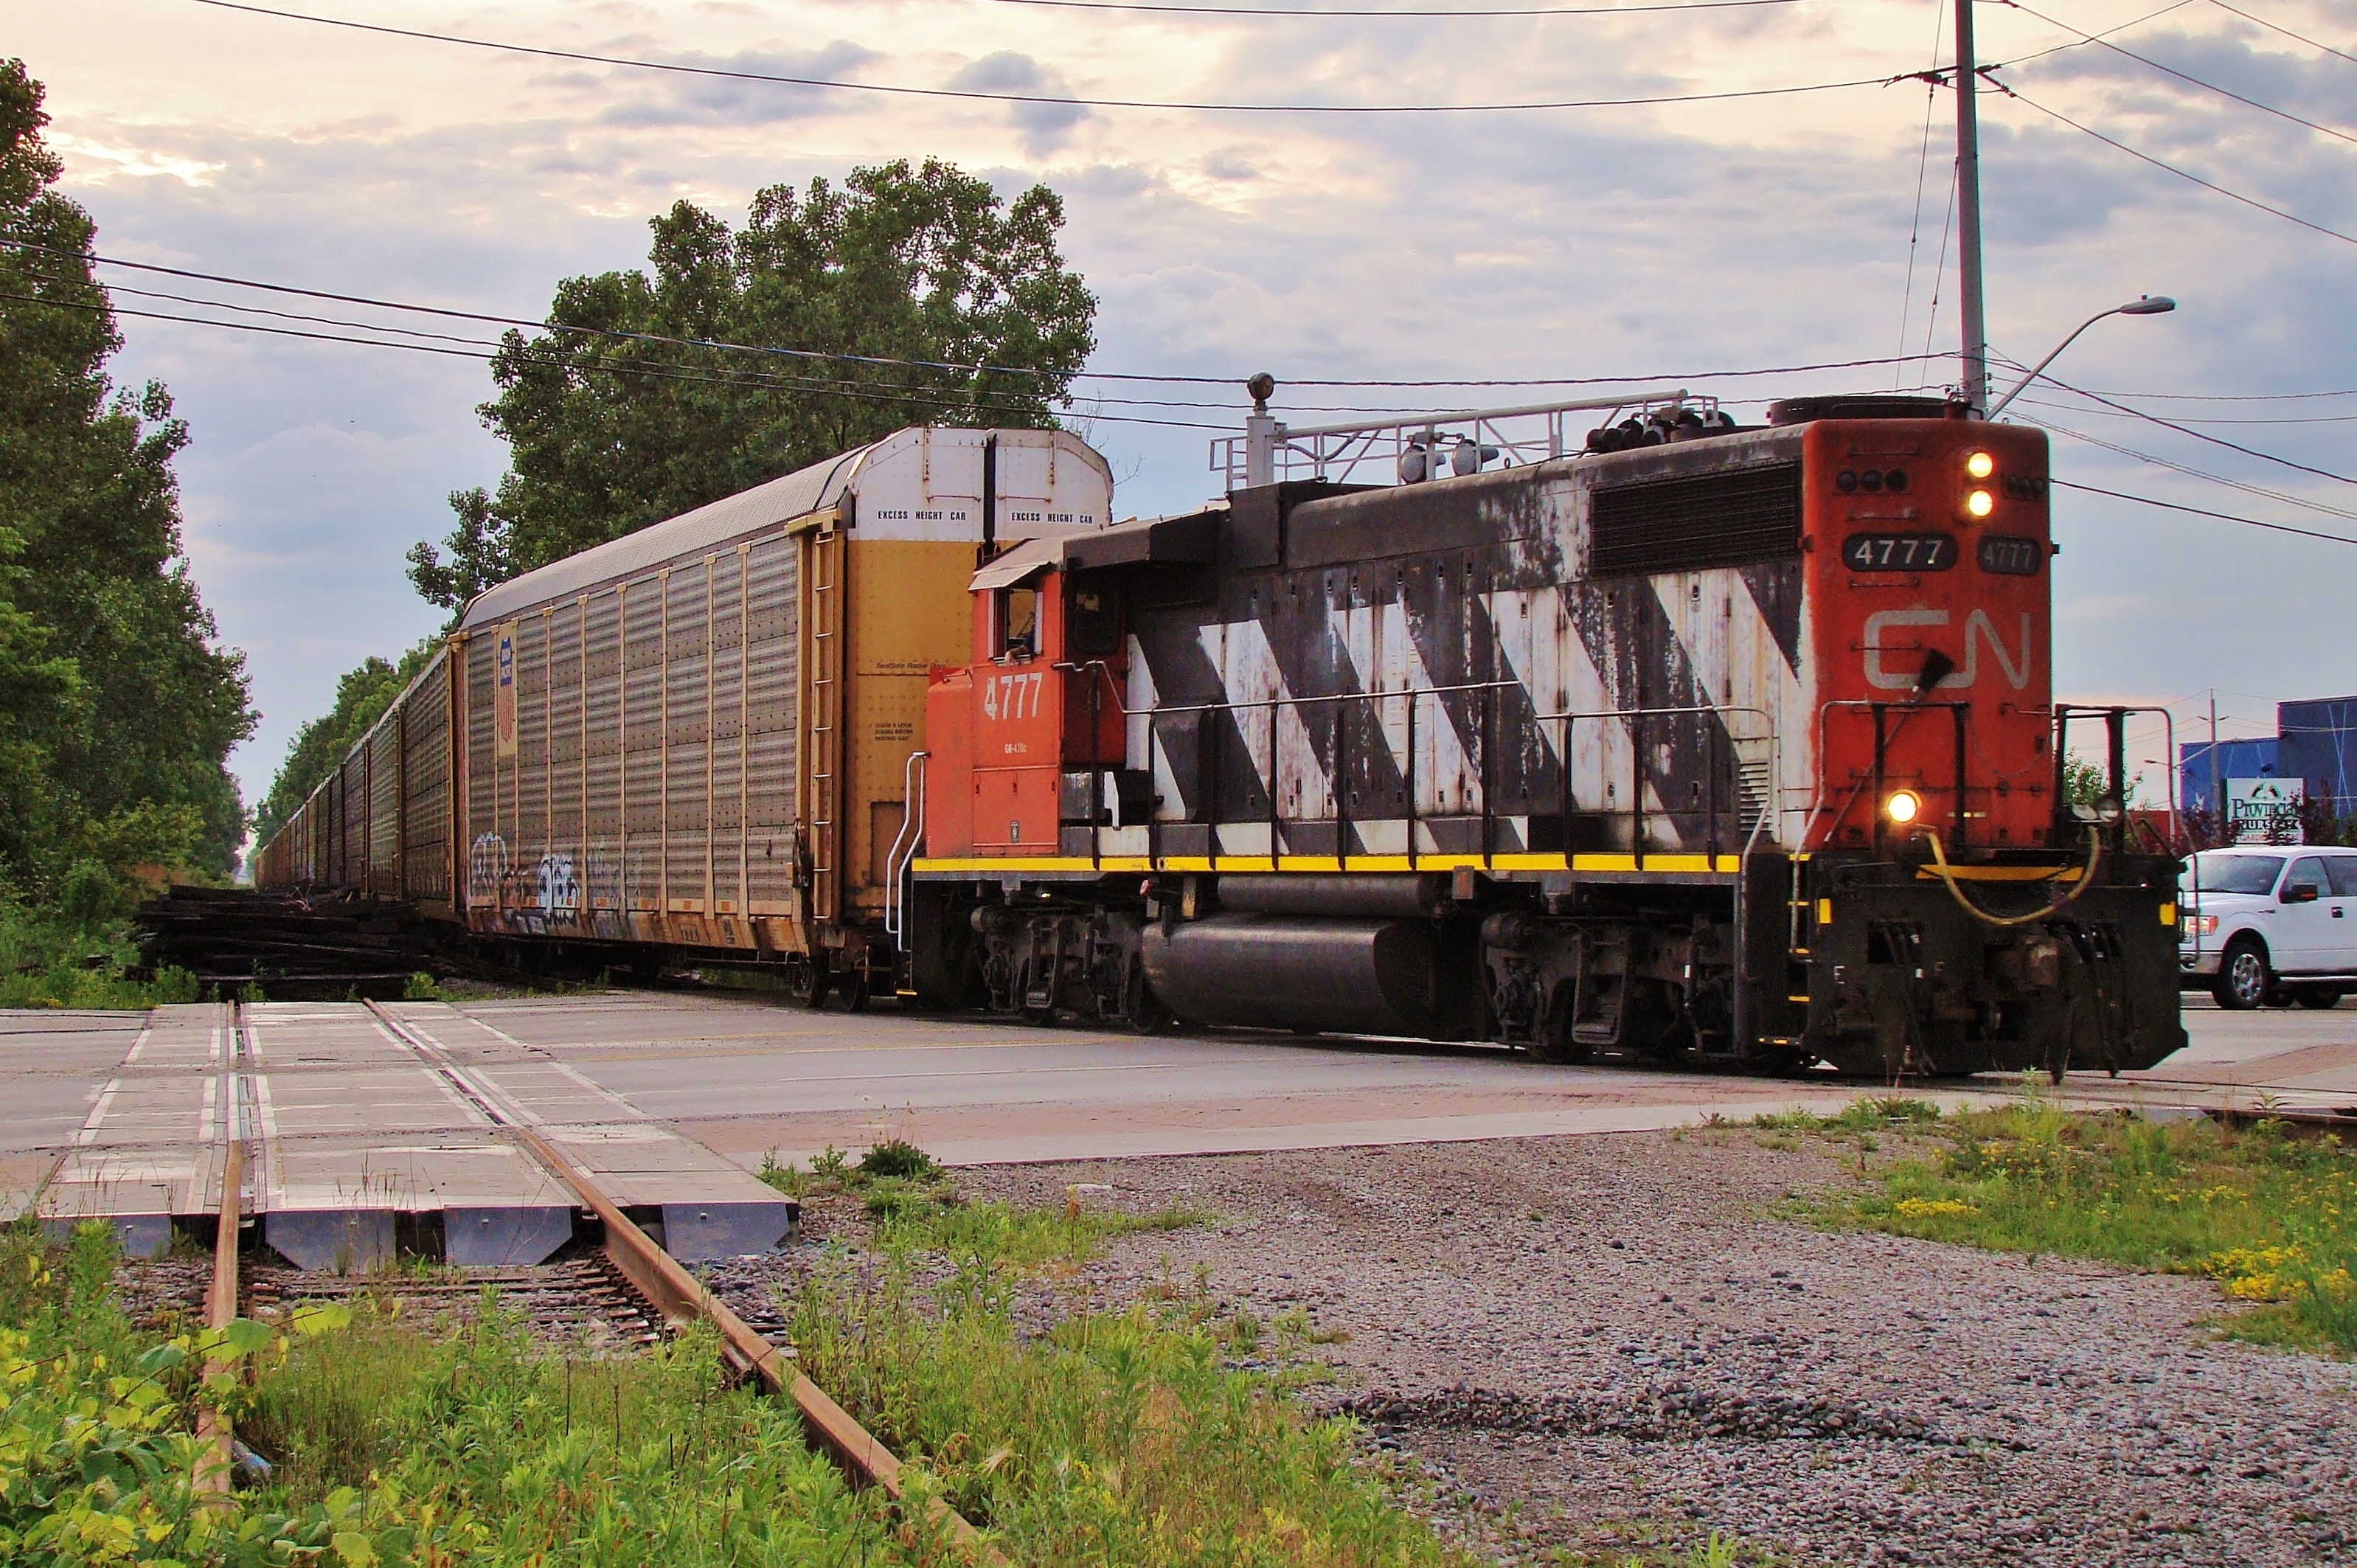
<point x="1016" y="619"/>
<point x="1091" y="618"/>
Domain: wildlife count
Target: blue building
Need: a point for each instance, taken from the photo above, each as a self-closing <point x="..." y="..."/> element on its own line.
<point x="2318" y="744"/>
<point x="2255" y="758"/>
<point x="2315" y="742"/>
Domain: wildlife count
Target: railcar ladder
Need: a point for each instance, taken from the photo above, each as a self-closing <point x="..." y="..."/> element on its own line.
<point x="824" y="620"/>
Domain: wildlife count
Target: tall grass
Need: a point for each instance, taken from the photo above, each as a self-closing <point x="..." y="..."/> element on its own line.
<point x="490" y="1449"/>
<point x="2271" y="1217"/>
<point x="1116" y="1439"/>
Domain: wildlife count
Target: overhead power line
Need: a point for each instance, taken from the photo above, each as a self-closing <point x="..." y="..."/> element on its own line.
<point x="2231" y="397"/>
<point x="2193" y="473"/>
<point x="2204" y="511"/>
<point x="982" y="402"/>
<point x="2286" y="32"/>
<point x="2183" y="76"/>
<point x="451" y="313"/>
<point x="2195" y="419"/>
<point x="975" y="95"/>
<point x="2015" y="93"/>
<point x="1353" y="12"/>
<point x="2199" y="436"/>
<point x="2281" y="420"/>
<point x="521" y="321"/>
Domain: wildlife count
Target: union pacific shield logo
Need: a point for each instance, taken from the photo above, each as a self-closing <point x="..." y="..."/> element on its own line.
<point x="504" y="691"/>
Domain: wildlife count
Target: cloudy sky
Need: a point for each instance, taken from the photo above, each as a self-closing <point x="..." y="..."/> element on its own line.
<point x="1652" y="242"/>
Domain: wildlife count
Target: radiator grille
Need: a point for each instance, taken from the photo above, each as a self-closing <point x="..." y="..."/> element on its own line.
<point x="1685" y="525"/>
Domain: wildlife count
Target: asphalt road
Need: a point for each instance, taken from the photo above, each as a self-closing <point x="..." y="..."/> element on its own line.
<point x="748" y="1077"/>
<point x="745" y="1077"/>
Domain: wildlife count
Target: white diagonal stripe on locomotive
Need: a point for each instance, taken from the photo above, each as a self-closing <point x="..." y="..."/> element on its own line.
<point x="1382" y="640"/>
<point x="1687" y="761"/>
<point x="1184" y="660"/>
<point x="1737" y="663"/>
<point x="1551" y="666"/>
<point x="1284" y="758"/>
<point x="1204" y="761"/>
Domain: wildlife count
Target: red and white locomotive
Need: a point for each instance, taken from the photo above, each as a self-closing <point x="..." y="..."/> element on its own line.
<point x="1701" y="743"/>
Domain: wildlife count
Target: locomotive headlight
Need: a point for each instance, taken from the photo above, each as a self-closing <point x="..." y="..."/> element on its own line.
<point x="1978" y="504"/>
<point x="1980" y="465"/>
<point x="1903" y="806"/>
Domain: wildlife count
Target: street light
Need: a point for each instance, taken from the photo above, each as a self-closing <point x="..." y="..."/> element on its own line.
<point x="2145" y="305"/>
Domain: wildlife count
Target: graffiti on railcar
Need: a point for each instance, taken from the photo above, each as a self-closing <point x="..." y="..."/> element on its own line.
<point x="559" y="895"/>
<point x="488" y="865"/>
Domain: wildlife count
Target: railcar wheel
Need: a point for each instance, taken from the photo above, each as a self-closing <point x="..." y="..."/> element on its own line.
<point x="808" y="983"/>
<point x="2318" y="997"/>
<point x="2244" y="978"/>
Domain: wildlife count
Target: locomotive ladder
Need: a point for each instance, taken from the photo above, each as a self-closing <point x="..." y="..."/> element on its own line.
<point x="825" y="623"/>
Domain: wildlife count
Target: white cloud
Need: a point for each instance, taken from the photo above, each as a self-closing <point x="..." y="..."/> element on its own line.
<point x="1620" y="242"/>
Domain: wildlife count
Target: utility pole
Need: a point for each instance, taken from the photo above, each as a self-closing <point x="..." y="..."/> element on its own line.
<point x="2217" y="786"/>
<point x="1968" y="213"/>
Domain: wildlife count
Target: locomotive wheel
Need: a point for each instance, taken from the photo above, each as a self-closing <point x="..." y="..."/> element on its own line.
<point x="1042" y="1017"/>
<point x="2244" y="978"/>
<point x="853" y="990"/>
<point x="2318" y="997"/>
<point x="1558" y="1042"/>
<point x="1142" y="1011"/>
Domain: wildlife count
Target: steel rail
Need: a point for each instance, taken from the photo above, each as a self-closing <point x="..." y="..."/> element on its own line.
<point x="215" y="1470"/>
<point x="681" y="1298"/>
<point x="216" y="1465"/>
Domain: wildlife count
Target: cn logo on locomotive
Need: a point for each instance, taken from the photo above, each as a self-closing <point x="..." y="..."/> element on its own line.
<point x="1977" y="629"/>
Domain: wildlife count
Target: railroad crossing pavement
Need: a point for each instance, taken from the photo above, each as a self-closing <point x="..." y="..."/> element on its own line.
<point x="369" y="1133"/>
<point x="367" y="1123"/>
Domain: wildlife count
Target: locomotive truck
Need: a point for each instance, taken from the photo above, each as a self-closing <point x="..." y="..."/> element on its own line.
<point x="1686" y="743"/>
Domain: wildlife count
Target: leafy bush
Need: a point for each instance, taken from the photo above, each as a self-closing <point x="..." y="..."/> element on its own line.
<point x="899" y="1158"/>
<point x="48" y="960"/>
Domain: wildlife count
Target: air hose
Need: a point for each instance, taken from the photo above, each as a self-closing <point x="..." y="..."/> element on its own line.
<point x="1947" y="877"/>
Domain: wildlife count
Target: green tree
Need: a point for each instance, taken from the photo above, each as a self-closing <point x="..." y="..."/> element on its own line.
<point x="361" y="698"/>
<point x="132" y="753"/>
<point x="607" y="435"/>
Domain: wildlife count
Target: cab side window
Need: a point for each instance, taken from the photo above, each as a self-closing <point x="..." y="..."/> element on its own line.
<point x="2342" y="869"/>
<point x="2308" y="870"/>
<point x="1018" y="625"/>
<point x="1092" y="618"/>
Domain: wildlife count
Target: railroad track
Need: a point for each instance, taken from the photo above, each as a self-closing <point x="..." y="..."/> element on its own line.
<point x="630" y="1281"/>
<point x="569" y="1300"/>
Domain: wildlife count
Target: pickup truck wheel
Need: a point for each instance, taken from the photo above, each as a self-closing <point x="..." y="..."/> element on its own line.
<point x="2318" y="997"/>
<point x="2244" y="978"/>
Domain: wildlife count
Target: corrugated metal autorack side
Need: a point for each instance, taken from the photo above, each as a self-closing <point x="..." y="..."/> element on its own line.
<point x="695" y="738"/>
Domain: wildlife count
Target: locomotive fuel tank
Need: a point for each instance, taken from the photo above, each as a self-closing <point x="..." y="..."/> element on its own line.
<point x="1337" y="976"/>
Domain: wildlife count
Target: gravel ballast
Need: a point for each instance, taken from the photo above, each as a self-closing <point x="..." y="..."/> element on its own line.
<point x="1610" y="1341"/>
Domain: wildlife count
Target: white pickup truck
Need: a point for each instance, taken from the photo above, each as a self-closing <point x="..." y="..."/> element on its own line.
<point x="2269" y="927"/>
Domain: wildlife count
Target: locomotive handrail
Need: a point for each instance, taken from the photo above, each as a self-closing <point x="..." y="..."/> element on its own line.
<point x="897" y="859"/>
<point x="1282" y="448"/>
